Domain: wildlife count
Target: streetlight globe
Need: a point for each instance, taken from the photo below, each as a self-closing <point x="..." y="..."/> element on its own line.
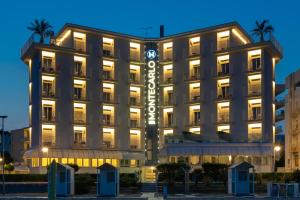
<point x="45" y="149"/>
<point x="1" y="159"/>
<point x="277" y="148"/>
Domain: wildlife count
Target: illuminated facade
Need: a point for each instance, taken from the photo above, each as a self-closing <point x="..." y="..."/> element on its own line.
<point x="202" y="96"/>
<point x="292" y="122"/>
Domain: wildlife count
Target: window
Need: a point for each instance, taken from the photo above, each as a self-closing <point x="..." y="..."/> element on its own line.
<point x="79" y="135"/>
<point x="135" y="93"/>
<point x="108" y="115"/>
<point x="254" y="60"/>
<point x="254" y="109"/>
<point x="223" y="40"/>
<point x="168" y="95"/>
<point x="168" y="51"/>
<point x="194" y="46"/>
<point x="223" y="65"/>
<point x="48" y="86"/>
<point x="79" y="41"/>
<point x="48" y="61"/>
<point x="135" y="139"/>
<point x="79" y="89"/>
<point x="168" y="73"/>
<point x="254" y="85"/>
<point x="223" y="112"/>
<point x="254" y="132"/>
<point x="79" y="66"/>
<point x="108" y="137"/>
<point x="195" y="115"/>
<point x="108" y="46"/>
<point x="223" y="89"/>
<point x="194" y="92"/>
<point x="134" y="74"/>
<point x="224" y="129"/>
<point x="48" y="135"/>
<point x="79" y="113"/>
<point x="194" y="69"/>
<point x="135" y="51"/>
<point x="168" y="117"/>
<point x="108" y="70"/>
<point x="135" y="117"/>
<point x="108" y="91"/>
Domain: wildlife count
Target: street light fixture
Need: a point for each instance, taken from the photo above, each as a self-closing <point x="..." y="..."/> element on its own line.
<point x="3" y="150"/>
<point x="277" y="148"/>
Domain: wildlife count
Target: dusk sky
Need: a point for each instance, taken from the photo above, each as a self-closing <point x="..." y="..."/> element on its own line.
<point x="130" y="17"/>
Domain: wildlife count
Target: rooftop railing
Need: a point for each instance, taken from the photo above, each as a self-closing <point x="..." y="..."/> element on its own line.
<point x="276" y="44"/>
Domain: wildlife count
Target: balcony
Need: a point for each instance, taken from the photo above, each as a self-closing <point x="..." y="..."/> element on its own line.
<point x="48" y="93"/>
<point x="79" y="73"/>
<point x="108" y="122"/>
<point x="223" y="117"/>
<point x="134" y="101"/>
<point x="134" y="124"/>
<point x="48" y="69"/>
<point x="279" y="103"/>
<point x="79" y="120"/>
<point x="280" y="116"/>
<point x="168" y="80"/>
<point x="107" y="76"/>
<point x="79" y="97"/>
<point x="134" y="80"/>
<point x="194" y="77"/>
<point x="108" y="144"/>
<point x="48" y="117"/>
<point x="254" y="93"/>
<point x="107" y="53"/>
<point x="255" y="117"/>
<point x="195" y="123"/>
<point x="224" y="96"/>
<point x="108" y="99"/>
<point x="223" y="73"/>
<point x="195" y="99"/>
<point x="169" y="102"/>
<point x="134" y="147"/>
<point x="79" y="142"/>
<point x="48" y="144"/>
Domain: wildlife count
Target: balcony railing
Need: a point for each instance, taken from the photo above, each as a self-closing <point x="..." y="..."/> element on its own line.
<point x="195" y="123"/>
<point x="195" y="99"/>
<point x="107" y="53"/>
<point x="48" y="69"/>
<point x="224" y="96"/>
<point x="79" y="120"/>
<point x="79" y="97"/>
<point x="108" y="144"/>
<point x="134" y="147"/>
<point x="276" y="44"/>
<point x="223" y="73"/>
<point x="134" y="124"/>
<point x="254" y="117"/>
<point x="168" y="80"/>
<point x="48" y="143"/>
<point x="254" y="93"/>
<point x="47" y="93"/>
<point x="79" y="73"/>
<point x="223" y="118"/>
<point x="107" y="122"/>
<point x="79" y="142"/>
<point x="134" y="102"/>
<point x="48" y="118"/>
<point x="169" y="102"/>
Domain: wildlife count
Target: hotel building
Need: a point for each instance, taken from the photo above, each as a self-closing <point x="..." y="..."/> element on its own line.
<point x="201" y="96"/>
<point x="292" y="122"/>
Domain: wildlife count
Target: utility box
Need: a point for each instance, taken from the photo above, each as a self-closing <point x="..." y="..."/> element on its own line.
<point x="241" y="179"/>
<point x="63" y="179"/>
<point x="107" y="181"/>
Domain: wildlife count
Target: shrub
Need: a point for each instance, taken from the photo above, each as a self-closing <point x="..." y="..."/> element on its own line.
<point x="83" y="183"/>
<point x="9" y="167"/>
<point x="218" y="172"/>
<point x="128" y="180"/>
<point x="170" y="172"/>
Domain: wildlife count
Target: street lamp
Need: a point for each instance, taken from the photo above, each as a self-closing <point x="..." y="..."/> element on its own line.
<point x="277" y="148"/>
<point x="45" y="150"/>
<point x="3" y="158"/>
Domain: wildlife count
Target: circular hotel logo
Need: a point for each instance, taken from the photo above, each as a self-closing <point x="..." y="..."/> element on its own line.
<point x="151" y="54"/>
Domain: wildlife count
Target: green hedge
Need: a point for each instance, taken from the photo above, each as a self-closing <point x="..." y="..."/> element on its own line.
<point x="25" y="177"/>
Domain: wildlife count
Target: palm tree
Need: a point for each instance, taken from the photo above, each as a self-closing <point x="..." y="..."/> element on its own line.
<point x="41" y="28"/>
<point x="262" y="29"/>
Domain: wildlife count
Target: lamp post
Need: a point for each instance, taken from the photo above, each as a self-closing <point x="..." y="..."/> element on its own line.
<point x="3" y="150"/>
<point x="277" y="148"/>
<point x="46" y="150"/>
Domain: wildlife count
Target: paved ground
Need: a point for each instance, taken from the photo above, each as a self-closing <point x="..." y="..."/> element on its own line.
<point x="144" y="196"/>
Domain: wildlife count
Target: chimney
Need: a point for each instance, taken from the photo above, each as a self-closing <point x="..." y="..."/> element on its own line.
<point x="161" y="31"/>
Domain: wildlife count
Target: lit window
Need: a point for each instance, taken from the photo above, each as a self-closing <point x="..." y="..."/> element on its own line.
<point x="194" y="46"/>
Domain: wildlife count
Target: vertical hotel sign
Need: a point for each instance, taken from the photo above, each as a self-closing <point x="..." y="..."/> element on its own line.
<point x="152" y="94"/>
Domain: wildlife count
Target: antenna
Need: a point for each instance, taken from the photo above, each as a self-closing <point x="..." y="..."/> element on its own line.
<point x="146" y="30"/>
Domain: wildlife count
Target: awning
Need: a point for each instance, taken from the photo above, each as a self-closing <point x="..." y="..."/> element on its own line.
<point x="185" y="149"/>
<point x="83" y="153"/>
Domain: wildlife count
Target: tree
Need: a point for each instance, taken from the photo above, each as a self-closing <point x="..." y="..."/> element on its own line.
<point x="216" y="171"/>
<point x="262" y="29"/>
<point x="75" y="167"/>
<point x="170" y="171"/>
<point x="9" y="167"/>
<point x="41" y="28"/>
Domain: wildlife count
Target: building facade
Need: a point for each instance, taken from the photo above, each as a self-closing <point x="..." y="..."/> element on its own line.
<point x="292" y="122"/>
<point x="201" y="96"/>
<point x="20" y="142"/>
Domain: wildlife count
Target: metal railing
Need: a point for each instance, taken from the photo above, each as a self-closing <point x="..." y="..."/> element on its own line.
<point x="276" y="44"/>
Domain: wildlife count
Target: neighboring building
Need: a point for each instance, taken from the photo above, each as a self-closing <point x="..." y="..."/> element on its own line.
<point x="20" y="141"/>
<point x="97" y="96"/>
<point x="7" y="141"/>
<point x="292" y="122"/>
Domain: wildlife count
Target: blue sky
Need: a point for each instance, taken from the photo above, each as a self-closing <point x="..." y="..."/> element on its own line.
<point x="130" y="17"/>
